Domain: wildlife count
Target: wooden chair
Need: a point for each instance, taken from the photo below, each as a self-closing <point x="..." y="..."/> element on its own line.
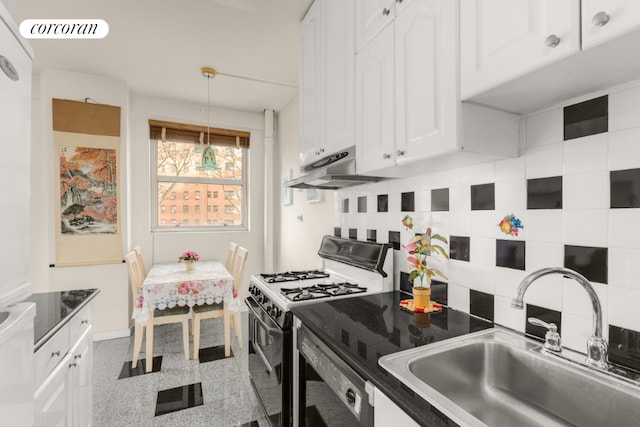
<point x="143" y="271"/>
<point x="212" y="311"/>
<point x="231" y="255"/>
<point x="158" y="317"/>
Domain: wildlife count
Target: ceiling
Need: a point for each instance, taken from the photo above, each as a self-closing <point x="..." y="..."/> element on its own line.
<point x="158" y="47"/>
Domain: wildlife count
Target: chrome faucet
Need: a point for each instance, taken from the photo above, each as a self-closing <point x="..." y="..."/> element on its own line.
<point x="596" y="345"/>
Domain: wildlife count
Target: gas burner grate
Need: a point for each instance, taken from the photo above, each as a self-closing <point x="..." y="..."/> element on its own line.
<point x="289" y="276"/>
<point x="321" y="291"/>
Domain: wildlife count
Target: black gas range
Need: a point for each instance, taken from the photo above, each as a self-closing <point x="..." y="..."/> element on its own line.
<point x="350" y="267"/>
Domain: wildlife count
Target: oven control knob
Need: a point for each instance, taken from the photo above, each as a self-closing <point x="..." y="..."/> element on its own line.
<point x="262" y="299"/>
<point x="351" y="397"/>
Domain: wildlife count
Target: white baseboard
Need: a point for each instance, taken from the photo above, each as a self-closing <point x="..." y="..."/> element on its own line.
<point x="102" y="336"/>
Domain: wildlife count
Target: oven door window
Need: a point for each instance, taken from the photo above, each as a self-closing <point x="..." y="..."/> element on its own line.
<point x="266" y="364"/>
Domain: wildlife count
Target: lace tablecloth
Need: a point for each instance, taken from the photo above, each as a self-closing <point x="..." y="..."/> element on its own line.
<point x="170" y="285"/>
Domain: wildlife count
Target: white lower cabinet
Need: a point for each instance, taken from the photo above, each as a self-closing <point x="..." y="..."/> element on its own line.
<point x="63" y="375"/>
<point x="387" y="413"/>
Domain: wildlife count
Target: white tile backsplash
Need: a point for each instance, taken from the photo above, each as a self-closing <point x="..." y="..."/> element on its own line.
<point x="586" y="154"/>
<point x="586" y="227"/>
<point x="624" y="150"/>
<point x="585" y="219"/>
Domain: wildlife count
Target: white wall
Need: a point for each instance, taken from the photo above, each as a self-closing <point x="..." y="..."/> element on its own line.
<point x="299" y="239"/>
<point x="110" y="311"/>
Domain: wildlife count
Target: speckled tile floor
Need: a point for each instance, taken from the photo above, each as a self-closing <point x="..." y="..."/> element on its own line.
<point x="226" y="398"/>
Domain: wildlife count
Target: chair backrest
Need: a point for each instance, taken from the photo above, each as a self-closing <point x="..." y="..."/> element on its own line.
<point x="143" y="271"/>
<point x="231" y="256"/>
<point x="134" y="273"/>
<point x="238" y="266"/>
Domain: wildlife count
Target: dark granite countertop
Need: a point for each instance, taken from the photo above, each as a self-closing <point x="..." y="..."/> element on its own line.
<point x="55" y="309"/>
<point x="363" y="329"/>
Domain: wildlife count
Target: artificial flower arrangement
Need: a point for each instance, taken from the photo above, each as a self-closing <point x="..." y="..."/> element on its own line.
<point x="420" y="248"/>
<point x="189" y="256"/>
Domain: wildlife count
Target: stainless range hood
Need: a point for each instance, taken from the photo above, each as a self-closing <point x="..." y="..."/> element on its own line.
<point x="335" y="171"/>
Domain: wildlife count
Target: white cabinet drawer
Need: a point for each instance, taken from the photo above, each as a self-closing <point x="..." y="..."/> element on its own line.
<point x="79" y="324"/>
<point x="51" y="353"/>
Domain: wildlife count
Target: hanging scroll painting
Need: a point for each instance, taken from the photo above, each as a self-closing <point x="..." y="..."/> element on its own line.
<point x="87" y="142"/>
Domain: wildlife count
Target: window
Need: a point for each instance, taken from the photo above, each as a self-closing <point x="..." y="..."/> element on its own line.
<point x="181" y="165"/>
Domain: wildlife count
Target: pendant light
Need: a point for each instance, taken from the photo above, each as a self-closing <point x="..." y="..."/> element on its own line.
<point x="208" y="161"/>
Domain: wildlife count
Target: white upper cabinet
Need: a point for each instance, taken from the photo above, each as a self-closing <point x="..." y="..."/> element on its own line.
<point x="327" y="74"/>
<point x="375" y="104"/>
<point x="504" y="39"/>
<point x="425" y="79"/>
<point x="525" y="55"/>
<point x="310" y="88"/>
<point x="407" y="102"/>
<point x="371" y="17"/>
<point x="603" y="20"/>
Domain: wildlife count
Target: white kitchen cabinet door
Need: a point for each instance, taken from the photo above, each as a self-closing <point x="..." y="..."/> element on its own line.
<point x="603" y="20"/>
<point x="310" y="84"/>
<point x="338" y="102"/>
<point x="80" y="389"/>
<point x="426" y="86"/>
<point x="501" y="40"/>
<point x="387" y="413"/>
<point x="375" y="104"/>
<point x="371" y="17"/>
<point x="53" y="397"/>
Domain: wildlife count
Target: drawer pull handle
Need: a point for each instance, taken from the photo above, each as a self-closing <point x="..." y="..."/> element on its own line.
<point x="552" y="41"/>
<point x="84" y="322"/>
<point x="400" y="153"/>
<point x="55" y="353"/>
<point x="600" y="19"/>
<point x="77" y="356"/>
<point x="386" y="12"/>
<point x="386" y="156"/>
<point x="73" y="365"/>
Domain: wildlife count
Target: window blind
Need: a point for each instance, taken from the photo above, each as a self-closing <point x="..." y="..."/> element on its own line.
<point x="180" y="132"/>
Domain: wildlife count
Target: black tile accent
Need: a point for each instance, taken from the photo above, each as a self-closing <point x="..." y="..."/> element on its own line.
<point x="440" y="199"/>
<point x="510" y="254"/>
<point x="372" y="235"/>
<point x="405" y="284"/>
<point x="345" y="205"/>
<point x="544" y="193"/>
<point x="394" y="240"/>
<point x="586" y="118"/>
<point x="362" y="350"/>
<point x="362" y="204"/>
<point x="440" y="292"/>
<point x="544" y="314"/>
<point x="353" y="233"/>
<point x="383" y="203"/>
<point x="337" y="231"/>
<point x="140" y="369"/>
<point x="345" y="337"/>
<point x="408" y="202"/>
<point x="591" y="262"/>
<point x="179" y="398"/>
<point x="625" y="188"/>
<point x="481" y="304"/>
<point x="210" y="354"/>
<point x="483" y="197"/>
<point x="459" y="248"/>
<point x="624" y="347"/>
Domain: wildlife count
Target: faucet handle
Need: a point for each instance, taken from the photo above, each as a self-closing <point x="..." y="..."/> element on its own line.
<point x="552" y="337"/>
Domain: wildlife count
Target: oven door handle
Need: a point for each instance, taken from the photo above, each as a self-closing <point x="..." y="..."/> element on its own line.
<point x="271" y="330"/>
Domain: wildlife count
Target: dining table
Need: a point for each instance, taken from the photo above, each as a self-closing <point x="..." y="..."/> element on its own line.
<point x="168" y="285"/>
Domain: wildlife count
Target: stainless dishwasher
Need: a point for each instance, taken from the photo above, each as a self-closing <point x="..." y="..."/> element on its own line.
<point x="327" y="392"/>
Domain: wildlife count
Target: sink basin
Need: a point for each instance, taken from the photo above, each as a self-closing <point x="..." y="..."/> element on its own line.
<point x="496" y="377"/>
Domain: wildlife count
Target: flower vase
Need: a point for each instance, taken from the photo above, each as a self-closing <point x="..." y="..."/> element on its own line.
<point x="190" y="265"/>
<point x="421" y="297"/>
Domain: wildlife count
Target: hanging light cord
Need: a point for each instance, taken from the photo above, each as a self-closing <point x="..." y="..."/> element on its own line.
<point x="208" y="106"/>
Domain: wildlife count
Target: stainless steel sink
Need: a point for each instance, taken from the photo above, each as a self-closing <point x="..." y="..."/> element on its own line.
<point x="499" y="378"/>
